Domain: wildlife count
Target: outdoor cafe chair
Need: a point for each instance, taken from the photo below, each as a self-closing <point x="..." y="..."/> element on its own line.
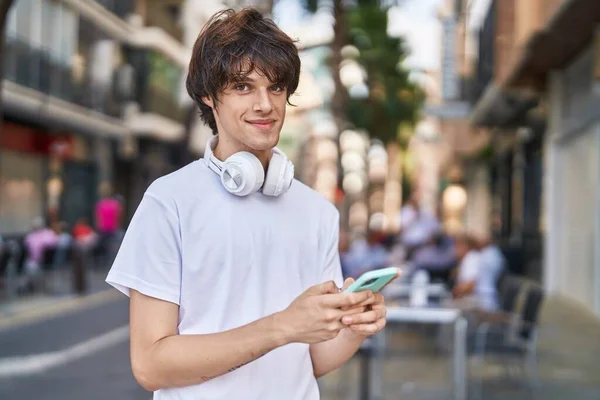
<point x="512" y="336"/>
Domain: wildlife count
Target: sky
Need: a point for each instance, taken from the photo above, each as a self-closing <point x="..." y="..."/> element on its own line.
<point x="415" y="20"/>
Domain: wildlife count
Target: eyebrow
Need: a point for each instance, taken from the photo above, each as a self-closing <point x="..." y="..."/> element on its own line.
<point x="242" y="78"/>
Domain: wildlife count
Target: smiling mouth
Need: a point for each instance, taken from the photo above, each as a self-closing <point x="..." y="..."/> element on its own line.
<point x="263" y="125"/>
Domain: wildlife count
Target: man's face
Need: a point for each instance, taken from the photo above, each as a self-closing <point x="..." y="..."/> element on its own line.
<point x="462" y="248"/>
<point x="250" y="113"/>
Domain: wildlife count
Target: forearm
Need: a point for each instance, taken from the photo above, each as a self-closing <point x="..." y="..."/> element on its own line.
<point x="463" y="289"/>
<point x="332" y="354"/>
<point x="184" y="360"/>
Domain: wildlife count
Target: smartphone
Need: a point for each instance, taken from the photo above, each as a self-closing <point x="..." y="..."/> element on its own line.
<point x="373" y="280"/>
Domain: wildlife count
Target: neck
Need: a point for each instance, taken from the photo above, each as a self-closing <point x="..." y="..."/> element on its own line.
<point x="226" y="148"/>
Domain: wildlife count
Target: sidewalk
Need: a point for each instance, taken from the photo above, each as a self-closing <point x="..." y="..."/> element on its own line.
<point x="35" y="306"/>
<point x="568" y="360"/>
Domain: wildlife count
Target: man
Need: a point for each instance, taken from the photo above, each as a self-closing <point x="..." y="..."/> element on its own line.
<point x="438" y="257"/>
<point x="493" y="265"/>
<point x="417" y="226"/>
<point x="232" y="269"/>
<point x="468" y="270"/>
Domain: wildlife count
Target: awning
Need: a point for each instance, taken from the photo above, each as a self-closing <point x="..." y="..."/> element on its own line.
<point x="499" y="107"/>
<point x="568" y="32"/>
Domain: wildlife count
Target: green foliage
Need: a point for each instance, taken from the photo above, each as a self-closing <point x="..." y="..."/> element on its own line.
<point x="393" y="100"/>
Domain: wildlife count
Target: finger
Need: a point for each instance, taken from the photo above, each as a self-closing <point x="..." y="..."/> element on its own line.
<point x="378" y="299"/>
<point x="347" y="283"/>
<point x="346" y="299"/>
<point x="353" y="311"/>
<point x="324" y="288"/>
<point x="367" y="302"/>
<point x="369" y="329"/>
<point x="392" y="280"/>
<point x="364" y="318"/>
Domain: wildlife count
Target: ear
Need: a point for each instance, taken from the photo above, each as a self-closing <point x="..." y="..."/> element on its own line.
<point x="208" y="101"/>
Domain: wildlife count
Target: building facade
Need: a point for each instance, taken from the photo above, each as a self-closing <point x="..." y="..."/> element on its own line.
<point x="86" y="85"/>
<point x="542" y="103"/>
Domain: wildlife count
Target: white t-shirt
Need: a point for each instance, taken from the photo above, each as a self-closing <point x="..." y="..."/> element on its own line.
<point x="422" y="227"/>
<point x="492" y="264"/>
<point x="228" y="261"/>
<point x="484" y="268"/>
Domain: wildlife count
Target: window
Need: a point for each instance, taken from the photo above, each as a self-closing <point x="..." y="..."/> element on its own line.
<point x="11" y="23"/>
<point x="23" y="12"/>
<point x="21" y="183"/>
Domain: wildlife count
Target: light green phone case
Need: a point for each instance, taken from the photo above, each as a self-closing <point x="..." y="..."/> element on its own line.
<point x="373" y="280"/>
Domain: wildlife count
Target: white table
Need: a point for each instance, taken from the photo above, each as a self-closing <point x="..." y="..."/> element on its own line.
<point x="395" y="291"/>
<point x="439" y="315"/>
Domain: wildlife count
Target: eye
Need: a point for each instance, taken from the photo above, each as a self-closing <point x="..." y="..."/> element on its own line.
<point x="277" y="88"/>
<point x="241" y="87"/>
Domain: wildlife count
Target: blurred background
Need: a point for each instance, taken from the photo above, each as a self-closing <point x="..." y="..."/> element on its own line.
<point x="460" y="140"/>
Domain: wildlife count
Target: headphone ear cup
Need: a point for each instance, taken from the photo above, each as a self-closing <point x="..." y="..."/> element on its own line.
<point x="276" y="164"/>
<point x="288" y="176"/>
<point x="242" y="174"/>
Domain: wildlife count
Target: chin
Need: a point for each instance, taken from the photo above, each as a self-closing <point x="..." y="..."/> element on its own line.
<point x="264" y="143"/>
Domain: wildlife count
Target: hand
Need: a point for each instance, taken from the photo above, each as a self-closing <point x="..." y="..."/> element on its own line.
<point x="315" y="316"/>
<point x="367" y="321"/>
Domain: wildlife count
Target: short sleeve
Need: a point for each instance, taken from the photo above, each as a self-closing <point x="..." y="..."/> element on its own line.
<point x="469" y="268"/>
<point x="333" y="269"/>
<point x="149" y="259"/>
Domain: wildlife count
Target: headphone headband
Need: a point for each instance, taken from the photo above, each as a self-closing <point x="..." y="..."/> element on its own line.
<point x="247" y="173"/>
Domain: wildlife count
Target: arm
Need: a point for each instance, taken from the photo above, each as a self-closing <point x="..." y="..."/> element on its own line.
<point x="463" y="289"/>
<point x="368" y="320"/>
<point x="468" y="273"/>
<point x="161" y="358"/>
<point x="332" y="354"/>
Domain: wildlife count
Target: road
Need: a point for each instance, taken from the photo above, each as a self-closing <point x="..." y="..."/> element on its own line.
<point x="83" y="354"/>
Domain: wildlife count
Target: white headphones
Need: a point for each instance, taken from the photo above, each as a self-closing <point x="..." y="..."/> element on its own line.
<point x="242" y="173"/>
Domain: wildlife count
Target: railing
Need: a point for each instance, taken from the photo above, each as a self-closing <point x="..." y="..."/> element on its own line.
<point x="157" y="14"/>
<point x="121" y="8"/>
<point x="35" y="69"/>
<point x="160" y="102"/>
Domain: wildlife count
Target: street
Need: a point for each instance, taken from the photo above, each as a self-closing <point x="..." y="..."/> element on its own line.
<point x="78" y="348"/>
<point x="105" y="374"/>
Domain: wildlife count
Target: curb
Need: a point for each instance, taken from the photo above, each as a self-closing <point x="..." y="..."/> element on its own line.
<point x="57" y="308"/>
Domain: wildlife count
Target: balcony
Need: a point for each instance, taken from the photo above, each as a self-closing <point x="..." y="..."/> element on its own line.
<point x="121" y="8"/>
<point x="158" y="83"/>
<point x="35" y="69"/>
<point x="158" y="101"/>
<point x="162" y="14"/>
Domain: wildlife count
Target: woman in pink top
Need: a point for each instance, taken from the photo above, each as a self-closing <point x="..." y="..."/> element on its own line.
<point x="108" y="215"/>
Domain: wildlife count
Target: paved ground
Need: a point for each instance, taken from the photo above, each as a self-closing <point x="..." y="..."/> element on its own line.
<point x="569" y="361"/>
<point x="569" y="355"/>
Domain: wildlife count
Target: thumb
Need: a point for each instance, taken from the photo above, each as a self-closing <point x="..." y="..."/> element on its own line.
<point x="347" y="283"/>
<point x="328" y="287"/>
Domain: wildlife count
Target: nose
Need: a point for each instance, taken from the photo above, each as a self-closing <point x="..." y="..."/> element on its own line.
<point x="263" y="102"/>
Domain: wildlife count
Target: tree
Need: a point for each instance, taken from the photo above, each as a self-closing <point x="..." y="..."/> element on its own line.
<point x="393" y="100"/>
<point x="5" y="6"/>
<point x="340" y="29"/>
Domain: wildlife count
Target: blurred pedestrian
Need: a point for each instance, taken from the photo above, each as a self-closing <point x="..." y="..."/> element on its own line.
<point x="468" y="271"/>
<point x="108" y="221"/>
<point x="437" y="257"/>
<point x="36" y="242"/>
<point x="63" y="243"/>
<point x="83" y="234"/>
<point x="417" y="226"/>
<point x="493" y="265"/>
<point x="232" y="267"/>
